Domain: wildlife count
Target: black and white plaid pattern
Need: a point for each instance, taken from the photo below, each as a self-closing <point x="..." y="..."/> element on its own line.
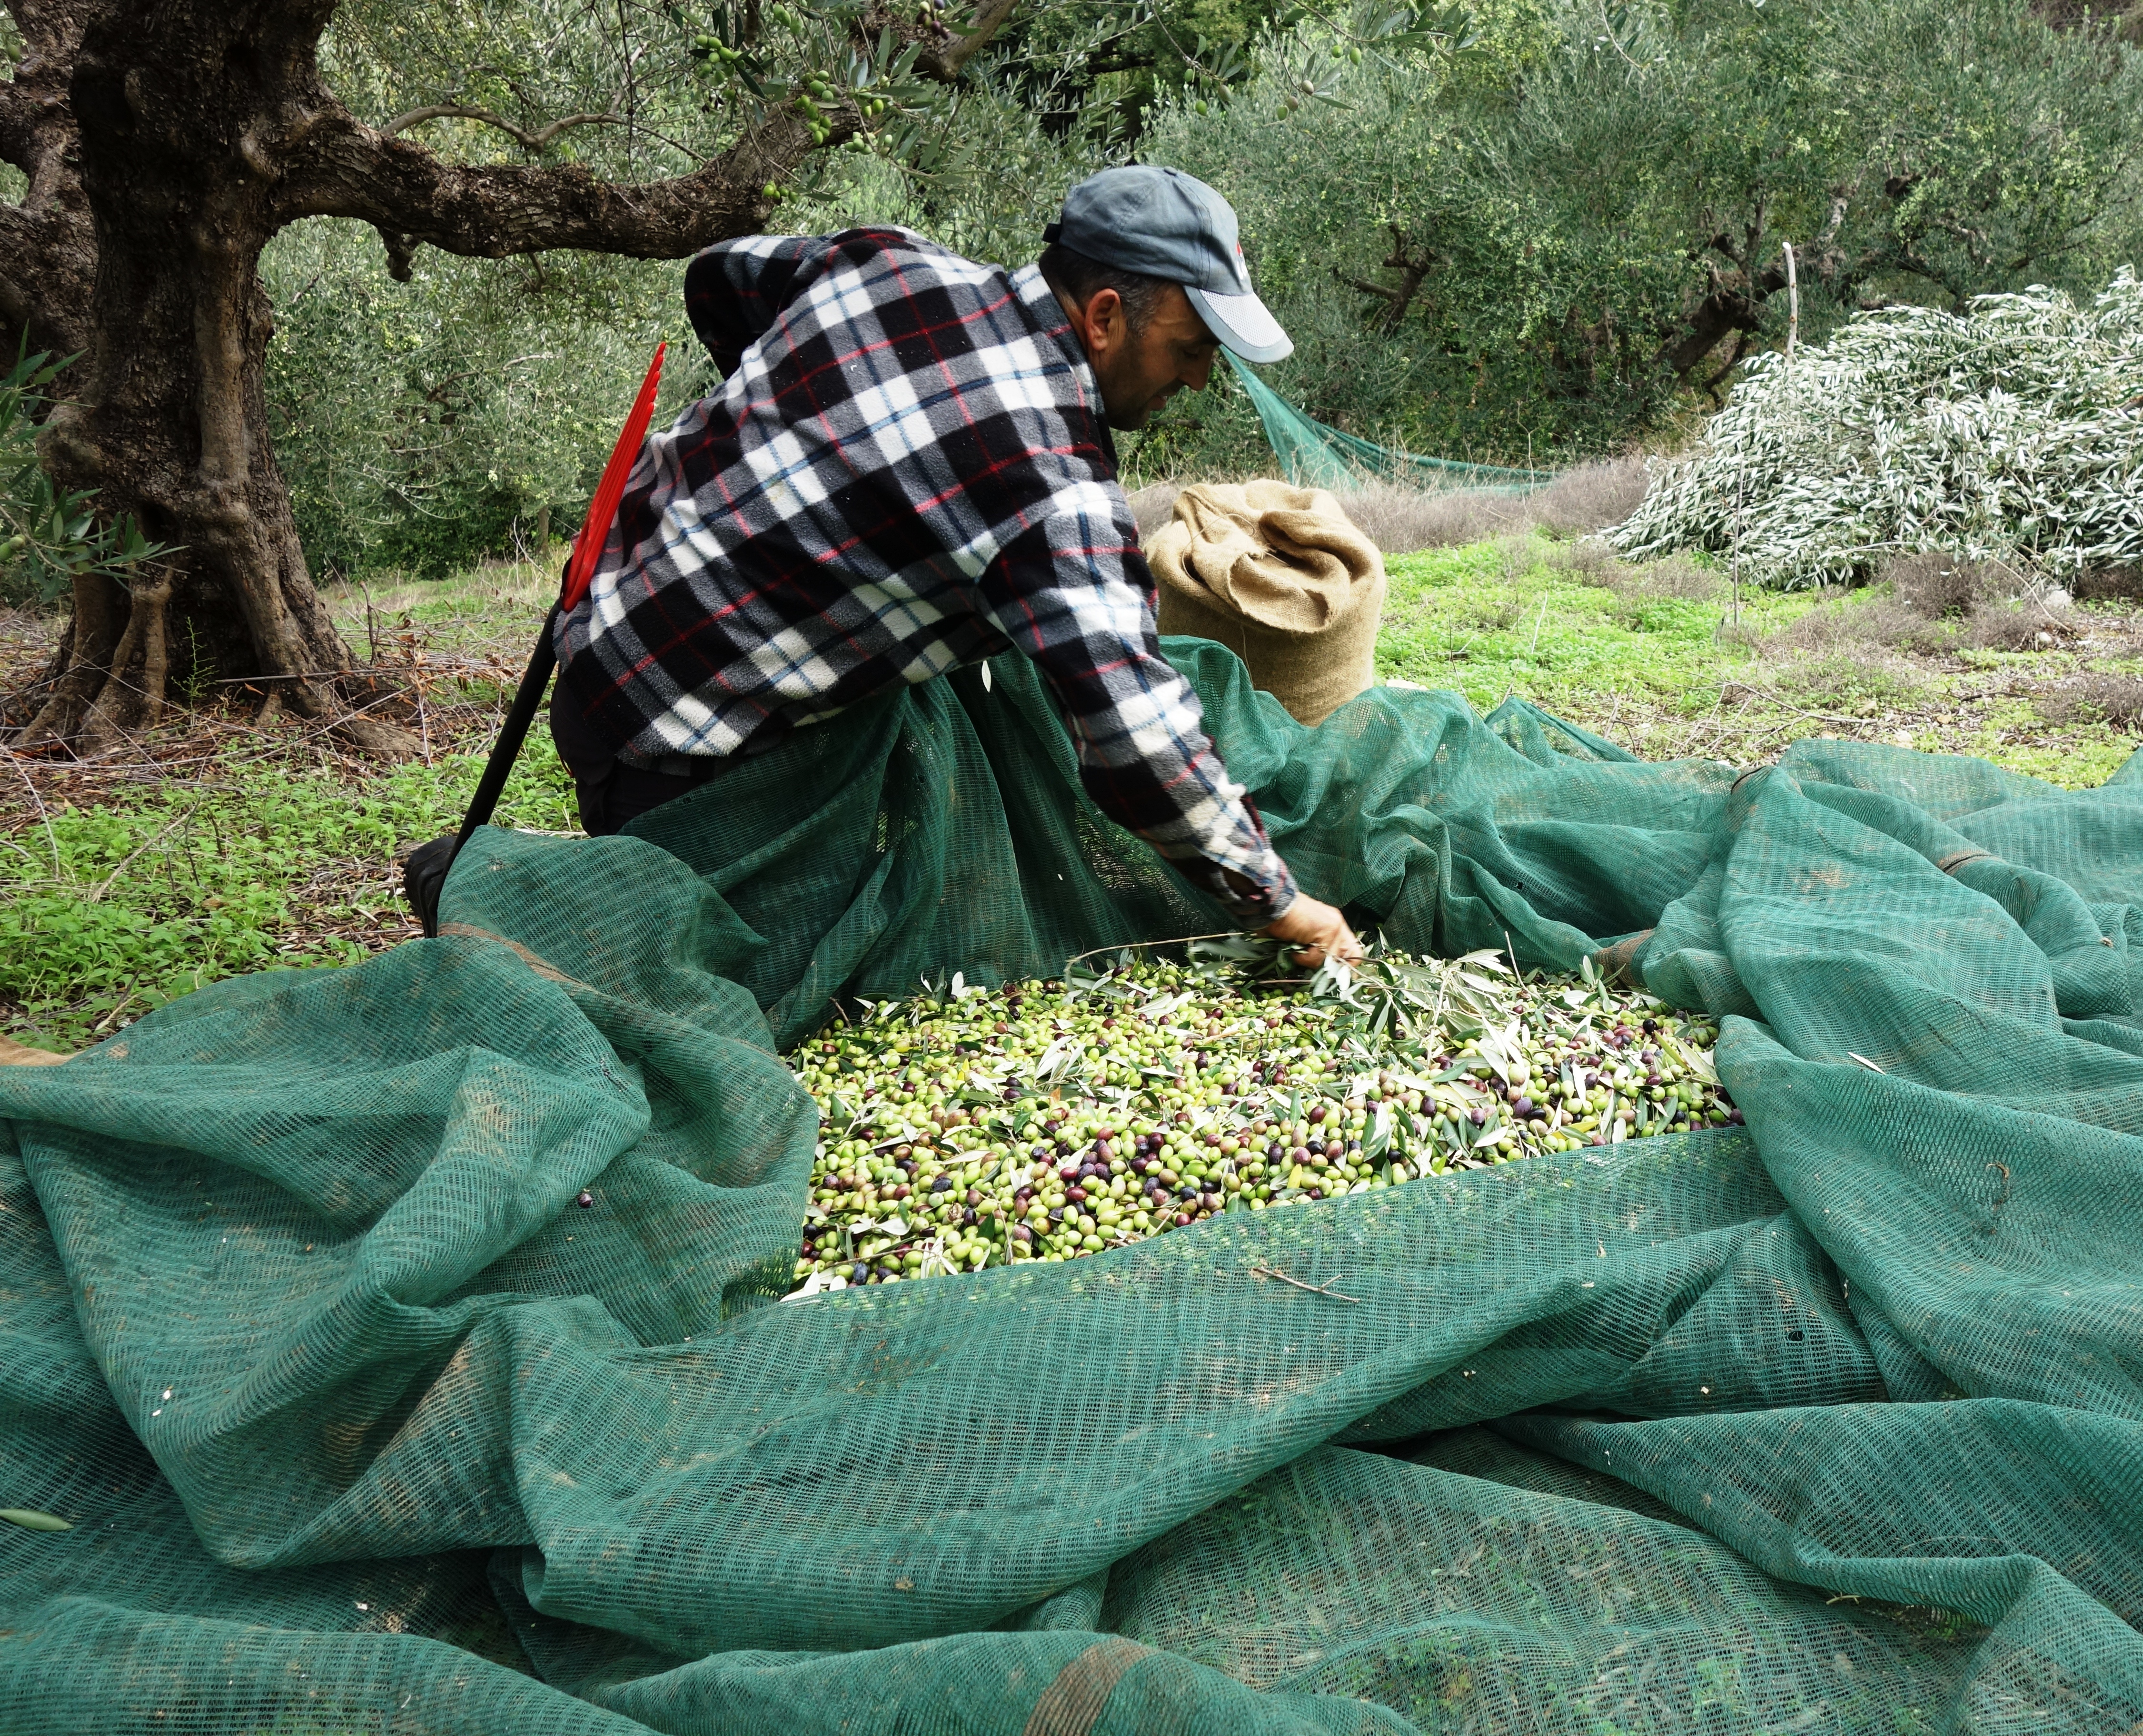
<point x="905" y="471"/>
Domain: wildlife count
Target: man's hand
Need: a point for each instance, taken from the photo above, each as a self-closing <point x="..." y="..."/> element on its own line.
<point x="1316" y="932"/>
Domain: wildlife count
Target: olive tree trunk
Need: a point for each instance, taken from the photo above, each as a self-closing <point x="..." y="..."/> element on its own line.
<point x="166" y="142"/>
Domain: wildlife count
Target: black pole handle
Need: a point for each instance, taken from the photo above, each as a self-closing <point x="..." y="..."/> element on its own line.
<point x="424" y="873"/>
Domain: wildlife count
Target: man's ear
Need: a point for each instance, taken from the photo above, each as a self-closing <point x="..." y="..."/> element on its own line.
<point x="1104" y="315"/>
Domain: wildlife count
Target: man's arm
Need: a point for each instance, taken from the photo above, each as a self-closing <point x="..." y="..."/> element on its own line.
<point x="1065" y="594"/>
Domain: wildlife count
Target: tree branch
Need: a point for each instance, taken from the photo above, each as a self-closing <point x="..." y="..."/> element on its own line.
<point x="534" y="142"/>
<point x="1367" y="287"/>
<point x="19" y="109"/>
<point x="48" y="266"/>
<point x="346" y="169"/>
<point x="943" y="52"/>
<point x="1413" y="261"/>
<point x="990" y="17"/>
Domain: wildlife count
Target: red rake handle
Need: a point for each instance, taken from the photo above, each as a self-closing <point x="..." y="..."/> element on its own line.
<point x="602" y="509"/>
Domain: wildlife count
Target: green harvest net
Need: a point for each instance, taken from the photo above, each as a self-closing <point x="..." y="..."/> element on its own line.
<point x="362" y="1424"/>
<point x="1315" y="455"/>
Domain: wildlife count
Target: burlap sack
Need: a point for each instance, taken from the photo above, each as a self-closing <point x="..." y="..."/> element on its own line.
<point x="1278" y="576"/>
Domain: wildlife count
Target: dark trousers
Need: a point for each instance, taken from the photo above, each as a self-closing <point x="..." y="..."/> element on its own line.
<point x="609" y="792"/>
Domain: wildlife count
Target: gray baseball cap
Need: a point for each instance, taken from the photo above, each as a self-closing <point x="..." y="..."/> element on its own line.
<point x="1163" y="223"/>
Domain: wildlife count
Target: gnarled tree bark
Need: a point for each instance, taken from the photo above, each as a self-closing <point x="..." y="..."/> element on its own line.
<point x="166" y="142"/>
<point x="1413" y="261"/>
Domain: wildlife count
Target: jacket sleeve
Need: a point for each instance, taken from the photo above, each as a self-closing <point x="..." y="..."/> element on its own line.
<point x="1074" y="594"/>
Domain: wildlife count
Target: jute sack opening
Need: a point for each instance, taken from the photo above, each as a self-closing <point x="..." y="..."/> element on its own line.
<point x="1281" y="576"/>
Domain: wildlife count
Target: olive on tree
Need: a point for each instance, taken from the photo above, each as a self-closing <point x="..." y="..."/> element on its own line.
<point x="163" y="143"/>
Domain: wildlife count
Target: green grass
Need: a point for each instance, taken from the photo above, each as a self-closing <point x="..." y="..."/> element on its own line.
<point x="108" y="910"/>
<point x="1476" y="619"/>
<point x="124" y="886"/>
<point x="117" y="895"/>
<point x="1669" y="675"/>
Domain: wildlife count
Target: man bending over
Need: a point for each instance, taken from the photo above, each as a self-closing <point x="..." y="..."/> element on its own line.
<point x="907" y="468"/>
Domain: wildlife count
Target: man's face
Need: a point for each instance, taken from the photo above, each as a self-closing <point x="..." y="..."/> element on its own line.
<point x="1139" y="373"/>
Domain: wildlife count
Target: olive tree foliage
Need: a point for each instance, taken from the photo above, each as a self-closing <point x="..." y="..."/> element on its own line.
<point x="425" y="424"/>
<point x="162" y="149"/>
<point x="1551" y="250"/>
<point x="428" y="408"/>
<point x="425" y="421"/>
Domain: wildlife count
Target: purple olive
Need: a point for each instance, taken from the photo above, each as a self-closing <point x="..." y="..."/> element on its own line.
<point x="1479" y="1117"/>
<point x="941" y="1184"/>
<point x="1316" y="1113"/>
<point x="586" y="1199"/>
<point x="1076" y="1194"/>
<point x="1523" y="1108"/>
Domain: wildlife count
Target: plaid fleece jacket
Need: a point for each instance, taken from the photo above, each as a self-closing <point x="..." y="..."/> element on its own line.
<point x="905" y="471"/>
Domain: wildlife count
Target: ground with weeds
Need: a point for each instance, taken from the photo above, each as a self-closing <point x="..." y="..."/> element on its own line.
<point x="1673" y="660"/>
<point x="222" y="843"/>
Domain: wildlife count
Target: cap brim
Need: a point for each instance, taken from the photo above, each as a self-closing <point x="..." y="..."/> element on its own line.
<point x="1244" y="325"/>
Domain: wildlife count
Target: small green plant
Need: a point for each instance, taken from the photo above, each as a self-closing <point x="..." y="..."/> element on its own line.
<point x="109" y="910"/>
<point x="49" y="536"/>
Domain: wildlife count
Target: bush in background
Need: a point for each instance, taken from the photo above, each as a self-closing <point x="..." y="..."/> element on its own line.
<point x="423" y="425"/>
<point x="2012" y="435"/>
<point x="1561" y="254"/>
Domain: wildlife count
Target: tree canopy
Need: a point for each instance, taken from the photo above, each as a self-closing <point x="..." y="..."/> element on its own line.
<point x="1522" y="231"/>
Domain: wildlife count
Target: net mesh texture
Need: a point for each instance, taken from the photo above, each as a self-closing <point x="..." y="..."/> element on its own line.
<point x="362" y="1423"/>
<point x="1315" y="455"/>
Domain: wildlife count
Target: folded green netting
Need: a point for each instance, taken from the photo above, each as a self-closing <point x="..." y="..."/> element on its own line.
<point x="1316" y="455"/>
<point x="362" y="1423"/>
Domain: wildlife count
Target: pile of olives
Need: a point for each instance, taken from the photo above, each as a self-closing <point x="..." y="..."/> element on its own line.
<point x="1047" y="1121"/>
